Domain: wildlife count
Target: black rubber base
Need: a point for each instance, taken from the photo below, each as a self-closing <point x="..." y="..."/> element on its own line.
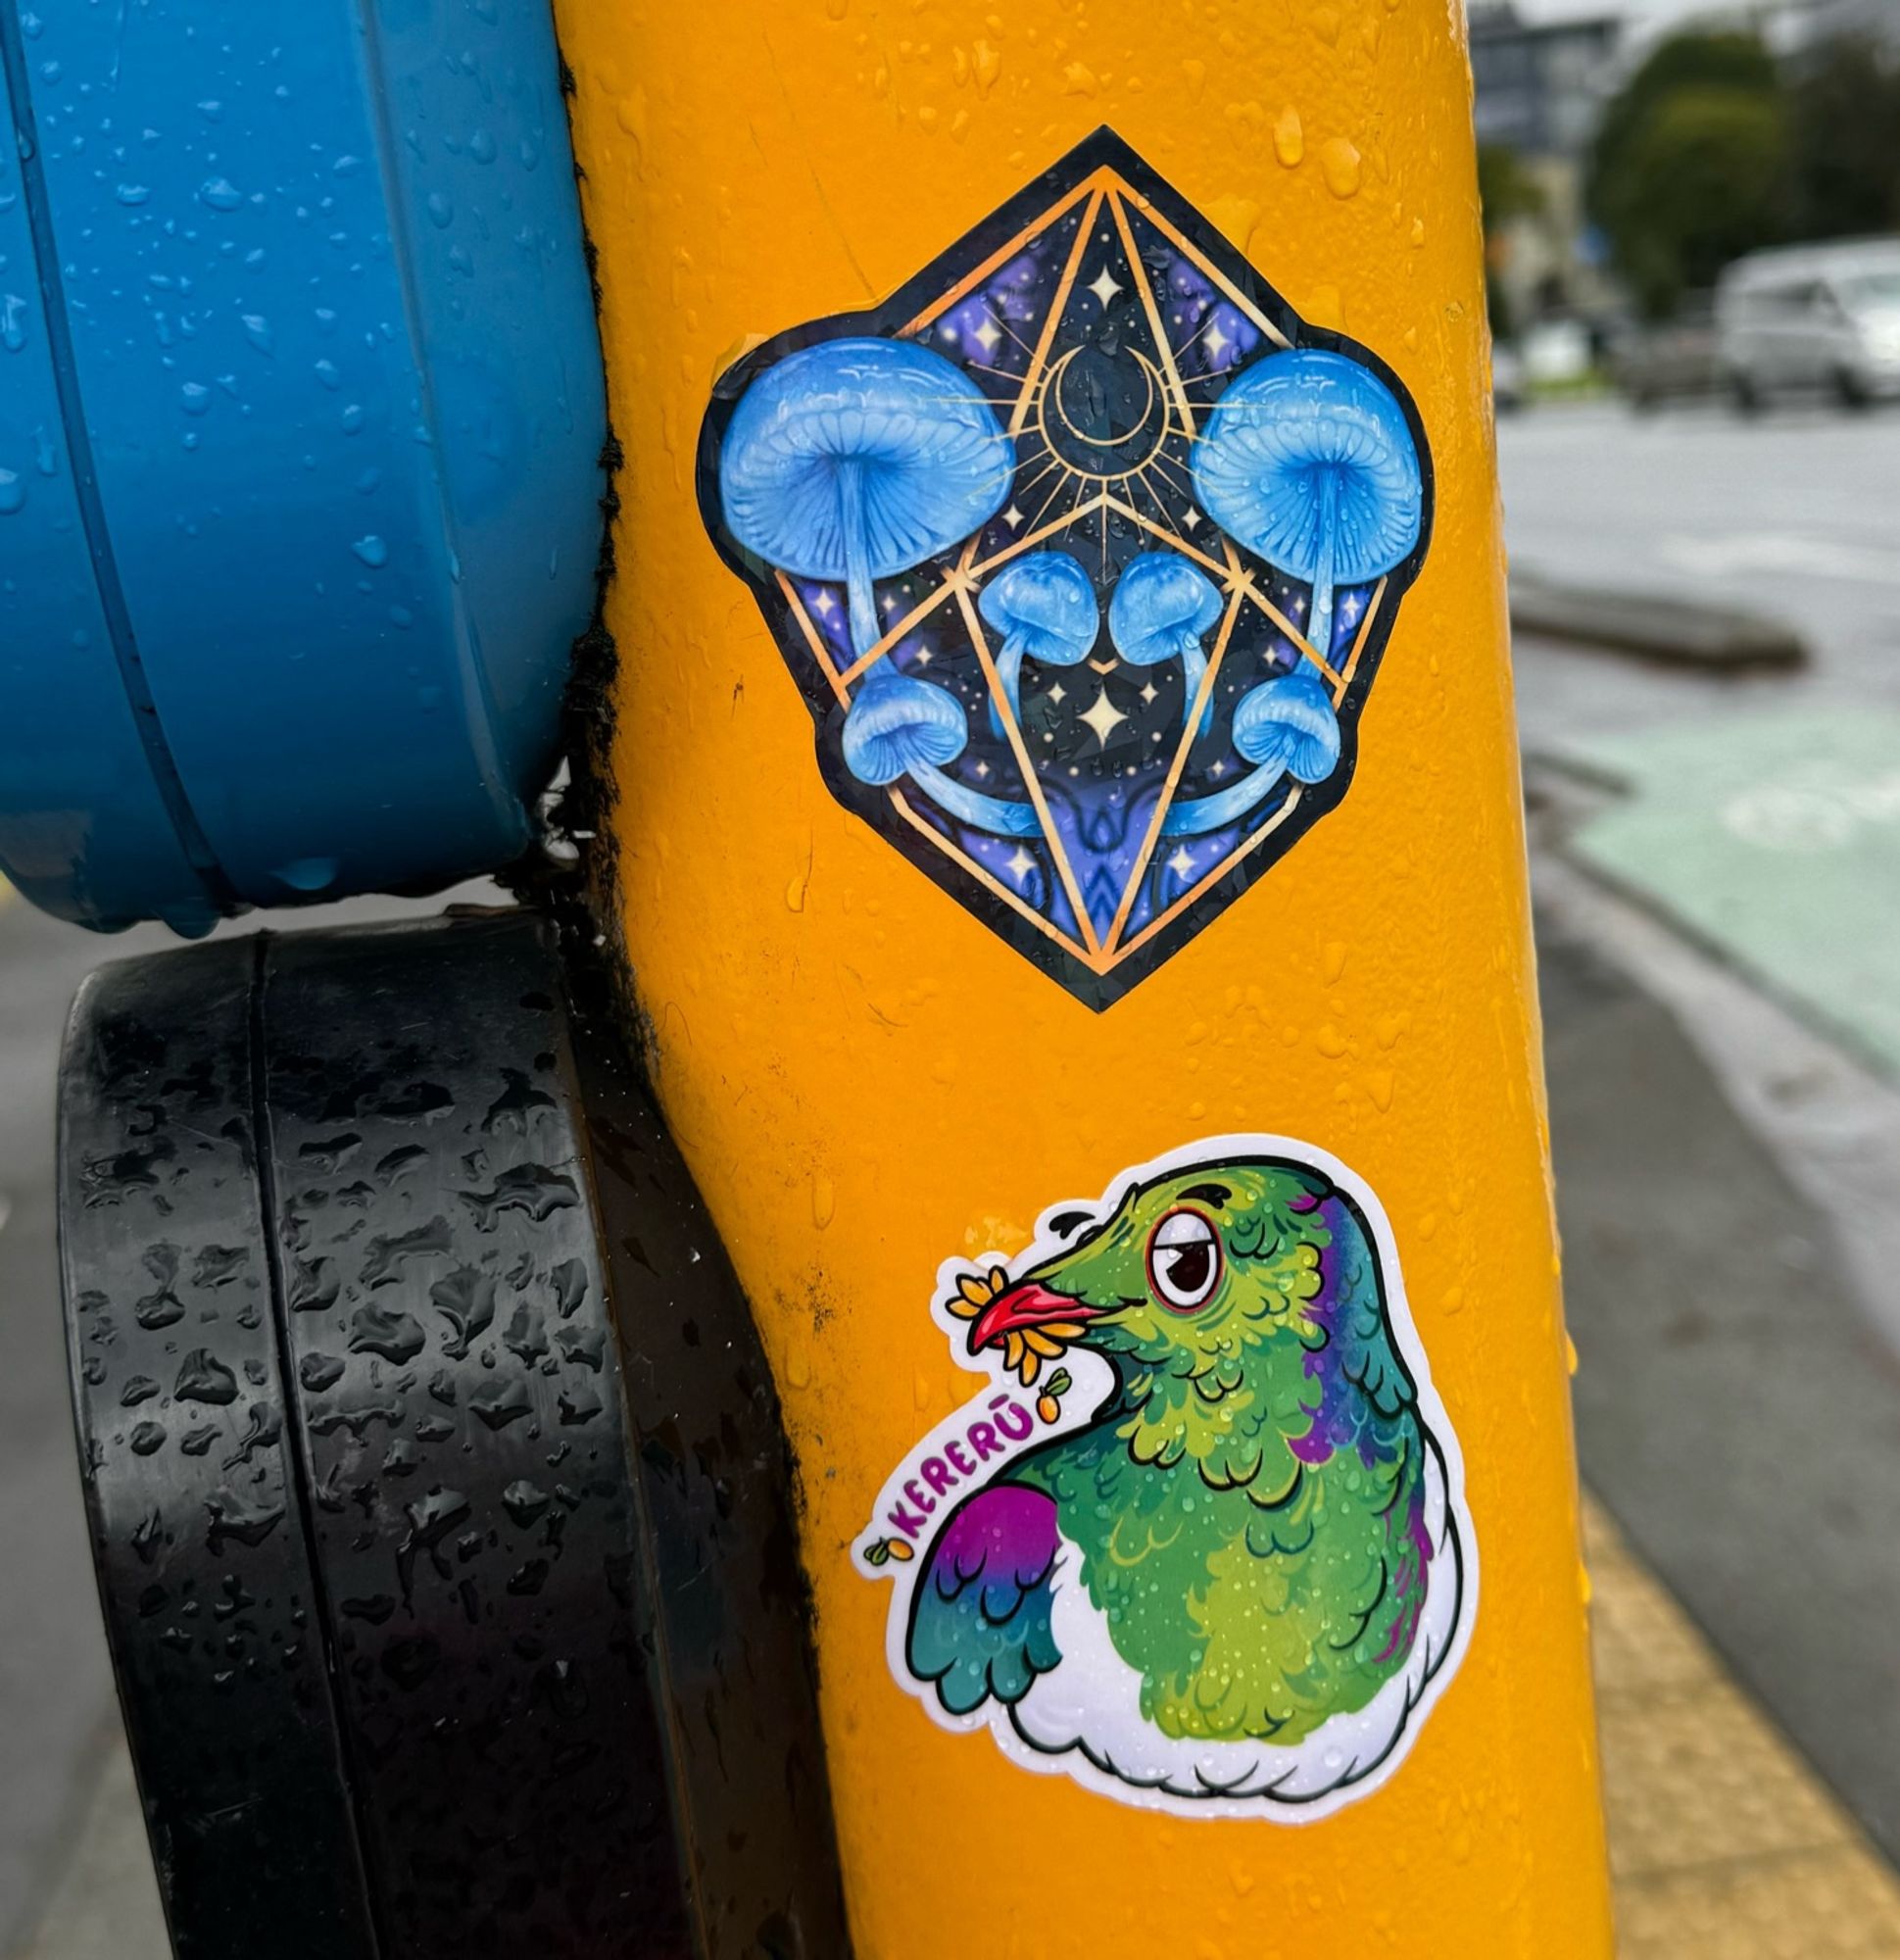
<point x="447" y="1567"/>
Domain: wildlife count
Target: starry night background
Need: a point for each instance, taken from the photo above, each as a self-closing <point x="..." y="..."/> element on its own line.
<point x="1104" y="424"/>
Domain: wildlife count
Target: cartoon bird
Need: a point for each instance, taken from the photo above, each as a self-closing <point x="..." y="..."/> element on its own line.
<point x="1237" y="1580"/>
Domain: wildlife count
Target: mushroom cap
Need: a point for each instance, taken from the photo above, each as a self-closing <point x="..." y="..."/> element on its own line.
<point x="935" y="463"/>
<point x="1293" y="425"/>
<point x="1162" y="603"/>
<point x="1290" y="722"/>
<point x="1048" y="603"/>
<point x="899" y="721"/>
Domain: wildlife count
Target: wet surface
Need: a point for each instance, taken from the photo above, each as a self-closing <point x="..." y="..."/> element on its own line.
<point x="1736" y="1411"/>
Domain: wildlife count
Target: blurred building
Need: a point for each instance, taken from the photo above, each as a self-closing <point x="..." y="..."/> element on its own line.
<point x="1539" y="93"/>
<point x="1796" y="27"/>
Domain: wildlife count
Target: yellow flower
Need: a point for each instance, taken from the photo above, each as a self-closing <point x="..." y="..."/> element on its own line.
<point x="975" y="1292"/>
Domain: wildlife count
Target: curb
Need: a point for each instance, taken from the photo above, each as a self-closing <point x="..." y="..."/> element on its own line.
<point x="1674" y="631"/>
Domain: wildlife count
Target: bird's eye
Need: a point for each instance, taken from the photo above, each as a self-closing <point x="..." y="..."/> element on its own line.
<point x="1184" y="1260"/>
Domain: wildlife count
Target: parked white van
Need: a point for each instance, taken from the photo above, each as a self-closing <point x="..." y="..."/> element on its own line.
<point x="1811" y="317"/>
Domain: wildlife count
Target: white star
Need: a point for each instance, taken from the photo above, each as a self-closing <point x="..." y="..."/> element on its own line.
<point x="1058" y="693"/>
<point x="1150" y="694"/>
<point x="989" y="334"/>
<point x="1106" y="287"/>
<point x="1220" y="768"/>
<point x="1216" y="341"/>
<point x="1012" y="517"/>
<point x="1191" y="518"/>
<point x="923" y="657"/>
<point x="891" y="602"/>
<point x="1022" y="864"/>
<point x="824" y="605"/>
<point x="1181" y="864"/>
<point x="1104" y="719"/>
<point x="982" y="768"/>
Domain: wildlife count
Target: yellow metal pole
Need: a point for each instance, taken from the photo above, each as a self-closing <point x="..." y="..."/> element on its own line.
<point x="1293" y="1079"/>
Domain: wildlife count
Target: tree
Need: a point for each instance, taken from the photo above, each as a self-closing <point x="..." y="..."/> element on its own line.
<point x="1693" y="164"/>
<point x="1844" y="119"/>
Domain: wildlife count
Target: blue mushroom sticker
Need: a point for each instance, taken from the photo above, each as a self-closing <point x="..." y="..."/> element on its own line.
<point x="1084" y="551"/>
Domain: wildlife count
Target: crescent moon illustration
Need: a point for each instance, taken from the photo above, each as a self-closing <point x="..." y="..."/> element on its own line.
<point x="1051" y="392"/>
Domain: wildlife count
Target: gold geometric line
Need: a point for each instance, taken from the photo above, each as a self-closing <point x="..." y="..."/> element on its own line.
<point x="1344" y="680"/>
<point x="1219" y="871"/>
<point x="1191" y="729"/>
<point x="996" y="887"/>
<point x="915" y="616"/>
<point x="1222" y="571"/>
<point x="1068" y="520"/>
<point x="1213" y="877"/>
<point x="815" y="640"/>
<point x="1020" y="748"/>
<point x="1041" y="223"/>
<point x="1240" y="299"/>
<point x="1152" y="310"/>
<point x="1292" y="633"/>
<point x="1064" y="287"/>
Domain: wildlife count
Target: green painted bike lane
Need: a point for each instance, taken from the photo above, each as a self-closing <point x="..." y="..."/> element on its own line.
<point x="1774" y="838"/>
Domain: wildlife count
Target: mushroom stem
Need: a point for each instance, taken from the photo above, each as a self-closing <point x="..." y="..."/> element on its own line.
<point x="857" y="561"/>
<point x="1010" y="672"/>
<point x="1194" y="665"/>
<point x="995" y="814"/>
<point x="1319" y="614"/>
<point x="1223" y="807"/>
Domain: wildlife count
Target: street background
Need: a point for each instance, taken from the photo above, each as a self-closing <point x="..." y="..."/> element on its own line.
<point x="1716" y="863"/>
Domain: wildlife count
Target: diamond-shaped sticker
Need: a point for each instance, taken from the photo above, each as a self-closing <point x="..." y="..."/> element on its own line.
<point x="1083" y="550"/>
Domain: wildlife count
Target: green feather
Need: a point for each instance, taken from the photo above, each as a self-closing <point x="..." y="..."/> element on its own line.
<point x="1258" y="1587"/>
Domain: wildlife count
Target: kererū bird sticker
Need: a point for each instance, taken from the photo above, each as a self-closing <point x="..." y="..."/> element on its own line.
<point x="1203" y="1544"/>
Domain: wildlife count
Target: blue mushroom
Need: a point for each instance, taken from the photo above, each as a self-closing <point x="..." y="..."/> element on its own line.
<point x="906" y="725"/>
<point x="1163" y="605"/>
<point x="1045" y="607"/>
<point x="858" y="459"/>
<point x="1284" y="727"/>
<point x="1308" y="461"/>
<point x="1289" y="724"/>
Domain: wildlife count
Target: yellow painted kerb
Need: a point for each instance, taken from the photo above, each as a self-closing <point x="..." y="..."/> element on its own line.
<point x="867" y="1080"/>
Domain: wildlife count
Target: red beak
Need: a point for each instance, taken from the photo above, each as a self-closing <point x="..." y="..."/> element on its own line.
<point x="1027" y="1305"/>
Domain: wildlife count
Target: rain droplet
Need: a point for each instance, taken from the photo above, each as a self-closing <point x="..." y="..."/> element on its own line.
<point x="204" y="1378"/>
<point x="371" y="551"/>
<point x="306" y="874"/>
<point x="220" y="194"/>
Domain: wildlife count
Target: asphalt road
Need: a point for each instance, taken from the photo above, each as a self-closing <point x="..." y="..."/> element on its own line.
<point x="1768" y="1172"/>
<point x="1795" y="513"/>
<point x="1718" y="866"/>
